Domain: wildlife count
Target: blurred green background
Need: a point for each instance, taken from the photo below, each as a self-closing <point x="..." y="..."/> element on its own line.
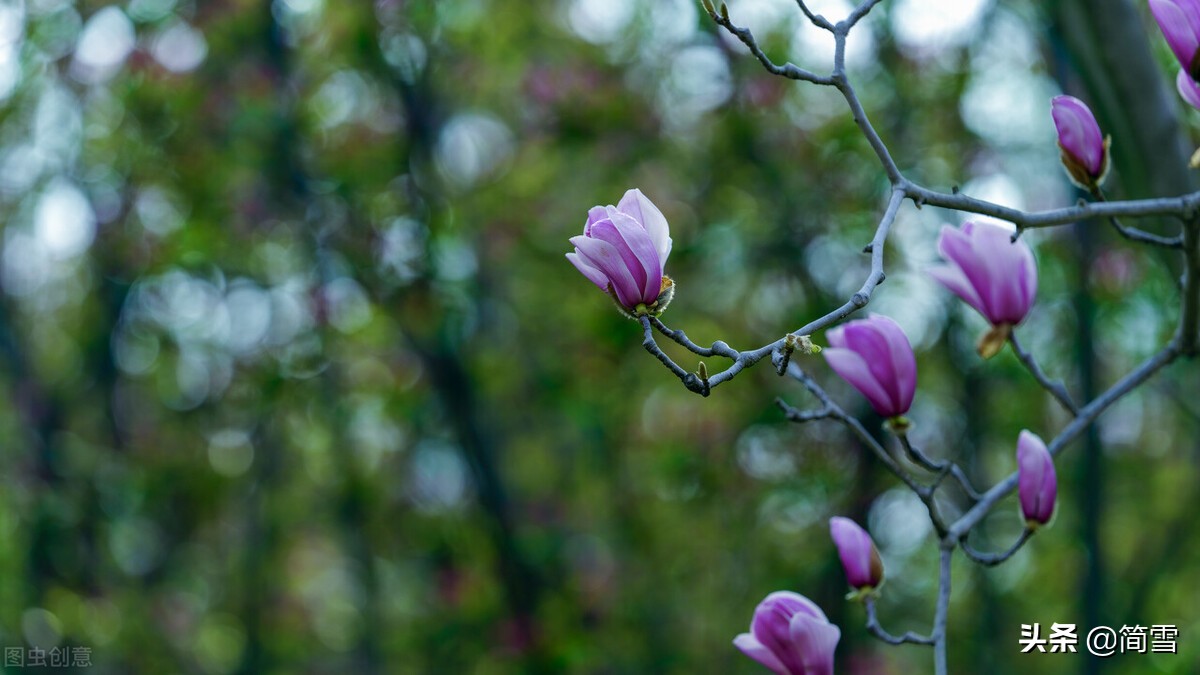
<point x="297" y="380"/>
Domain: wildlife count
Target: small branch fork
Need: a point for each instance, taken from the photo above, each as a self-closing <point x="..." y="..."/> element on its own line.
<point x="1185" y="208"/>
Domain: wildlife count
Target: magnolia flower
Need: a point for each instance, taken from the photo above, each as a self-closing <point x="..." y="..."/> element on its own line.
<point x="1037" y="484"/>
<point x="623" y="249"/>
<point x="791" y="636"/>
<point x="992" y="273"/>
<point x="1180" y="24"/>
<point x="874" y="355"/>
<point x="1084" y="148"/>
<point x="860" y="558"/>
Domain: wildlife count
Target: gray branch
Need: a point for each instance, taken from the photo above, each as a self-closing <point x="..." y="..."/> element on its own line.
<point x="788" y="70"/>
<point x="1056" y="389"/>
<point x="878" y="631"/>
<point x="993" y="559"/>
<point x="1086" y="416"/>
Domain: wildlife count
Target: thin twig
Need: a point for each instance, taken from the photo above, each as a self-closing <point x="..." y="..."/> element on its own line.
<point x="788" y="70"/>
<point x="1138" y="235"/>
<point x="993" y="559"/>
<point x="924" y="492"/>
<point x="878" y="631"/>
<point x="1056" y="389"/>
<point x="690" y="380"/>
<point x="859" y="12"/>
<point x="718" y="348"/>
<point x="1184" y="206"/>
<point x="817" y="20"/>
<point x="943" y="467"/>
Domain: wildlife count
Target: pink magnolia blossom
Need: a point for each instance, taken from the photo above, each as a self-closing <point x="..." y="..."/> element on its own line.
<point x="860" y="558"/>
<point x="1084" y="148"/>
<point x="990" y="272"/>
<point x="1037" y="484"/>
<point x="790" y="635"/>
<point x="874" y="355"/>
<point x="623" y="250"/>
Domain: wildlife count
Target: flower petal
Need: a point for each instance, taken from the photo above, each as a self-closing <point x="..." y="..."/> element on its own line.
<point x="645" y="212"/>
<point x="751" y="647"/>
<point x="594" y="275"/>
<point x="815" y="641"/>
<point x="643" y="249"/>
<point x="855" y="370"/>
<point x="952" y="277"/>
<point x="605" y="257"/>
<point x="1180" y="24"/>
<point x="595" y="215"/>
<point x="901" y="365"/>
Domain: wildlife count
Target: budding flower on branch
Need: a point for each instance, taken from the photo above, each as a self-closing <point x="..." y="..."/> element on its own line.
<point x="791" y="636"/>
<point x="623" y="250"/>
<point x="1084" y="148"/>
<point x="875" y="357"/>
<point x="990" y="272"/>
<point x="1037" y="484"/>
<point x="860" y="558"/>
<point x="1180" y="24"/>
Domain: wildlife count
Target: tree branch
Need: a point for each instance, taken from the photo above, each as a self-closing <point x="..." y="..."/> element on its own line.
<point x="1086" y="416"/>
<point x="1056" y="389"/>
<point x="878" y="631"/>
<point x="993" y="559"/>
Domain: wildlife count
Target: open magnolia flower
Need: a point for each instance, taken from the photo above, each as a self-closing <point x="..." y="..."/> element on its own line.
<point x="623" y="250"/>
<point x="990" y="272"/>
<point x="791" y="636"/>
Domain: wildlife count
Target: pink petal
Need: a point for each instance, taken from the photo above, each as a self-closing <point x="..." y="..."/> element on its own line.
<point x="952" y="277"/>
<point x="854" y="369"/>
<point x="645" y="212"/>
<point x="605" y="257"/>
<point x="1180" y="24"/>
<point x="854" y="549"/>
<point x="643" y="249"/>
<point x="594" y="275"/>
<point x="751" y="647"/>
<point x="815" y="640"/>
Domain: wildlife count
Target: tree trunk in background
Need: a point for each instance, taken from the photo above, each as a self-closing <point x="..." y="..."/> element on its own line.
<point x="1100" y="52"/>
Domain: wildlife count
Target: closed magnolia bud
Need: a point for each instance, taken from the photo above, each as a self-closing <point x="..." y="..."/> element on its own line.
<point x="623" y="250"/>
<point x="1037" y="484"/>
<point x="791" y="636"/>
<point x="860" y="558"/>
<point x="1084" y="148"/>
